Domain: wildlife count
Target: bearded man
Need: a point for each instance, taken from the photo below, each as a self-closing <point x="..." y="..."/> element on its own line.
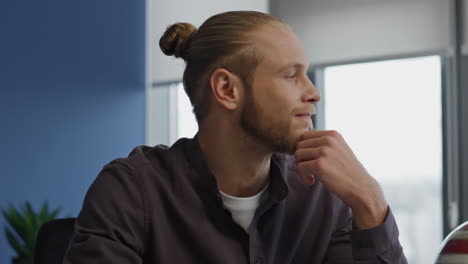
<point x="256" y="184"/>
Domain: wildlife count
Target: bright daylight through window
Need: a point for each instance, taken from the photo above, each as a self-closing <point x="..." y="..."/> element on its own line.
<point x="390" y="114"/>
<point x="186" y="123"/>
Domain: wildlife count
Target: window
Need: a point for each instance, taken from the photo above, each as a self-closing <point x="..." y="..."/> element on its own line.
<point x="390" y="113"/>
<point x="186" y="123"/>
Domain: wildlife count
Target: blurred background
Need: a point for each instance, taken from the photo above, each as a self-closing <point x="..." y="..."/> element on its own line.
<point x="83" y="82"/>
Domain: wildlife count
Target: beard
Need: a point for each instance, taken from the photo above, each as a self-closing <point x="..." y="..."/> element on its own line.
<point x="259" y="125"/>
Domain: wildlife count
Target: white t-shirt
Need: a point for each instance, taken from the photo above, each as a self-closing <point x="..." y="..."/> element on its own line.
<point x="243" y="208"/>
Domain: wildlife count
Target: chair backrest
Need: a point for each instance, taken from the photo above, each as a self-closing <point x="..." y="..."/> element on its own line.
<point x="52" y="241"/>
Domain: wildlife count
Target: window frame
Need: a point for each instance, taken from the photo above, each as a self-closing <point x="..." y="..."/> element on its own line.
<point x="161" y="113"/>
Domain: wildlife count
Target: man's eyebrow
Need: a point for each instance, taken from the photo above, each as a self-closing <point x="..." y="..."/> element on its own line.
<point x="295" y="65"/>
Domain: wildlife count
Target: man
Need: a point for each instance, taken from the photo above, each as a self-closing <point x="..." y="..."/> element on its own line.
<point x="256" y="184"/>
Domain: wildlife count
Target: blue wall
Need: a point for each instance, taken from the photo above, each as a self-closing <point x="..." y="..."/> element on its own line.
<point x="72" y="97"/>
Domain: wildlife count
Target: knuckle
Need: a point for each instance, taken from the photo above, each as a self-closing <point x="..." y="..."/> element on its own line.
<point x="334" y="134"/>
<point x="329" y="140"/>
<point x="324" y="151"/>
<point x="320" y="163"/>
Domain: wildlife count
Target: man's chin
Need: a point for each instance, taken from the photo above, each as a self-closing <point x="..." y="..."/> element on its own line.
<point x="287" y="146"/>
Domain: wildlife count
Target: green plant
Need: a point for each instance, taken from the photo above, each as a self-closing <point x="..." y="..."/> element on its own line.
<point x="24" y="224"/>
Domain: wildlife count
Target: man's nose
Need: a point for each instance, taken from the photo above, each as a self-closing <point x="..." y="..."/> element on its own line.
<point x="312" y="94"/>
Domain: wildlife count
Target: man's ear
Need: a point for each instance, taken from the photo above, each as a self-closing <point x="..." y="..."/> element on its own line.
<point x="225" y="88"/>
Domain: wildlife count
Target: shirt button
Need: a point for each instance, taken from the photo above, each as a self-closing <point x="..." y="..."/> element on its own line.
<point x="257" y="261"/>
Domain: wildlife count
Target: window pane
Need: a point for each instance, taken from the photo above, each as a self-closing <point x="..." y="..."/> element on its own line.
<point x="186" y="123"/>
<point x="390" y="114"/>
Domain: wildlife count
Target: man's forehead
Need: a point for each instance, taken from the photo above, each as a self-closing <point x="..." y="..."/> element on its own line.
<point x="279" y="46"/>
<point x="267" y="35"/>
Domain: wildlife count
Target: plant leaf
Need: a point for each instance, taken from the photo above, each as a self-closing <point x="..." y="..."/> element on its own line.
<point x="29" y="221"/>
<point x="9" y="214"/>
<point x="25" y="224"/>
<point x="44" y="212"/>
<point x="15" y="244"/>
<point x="31" y="214"/>
<point x="16" y="221"/>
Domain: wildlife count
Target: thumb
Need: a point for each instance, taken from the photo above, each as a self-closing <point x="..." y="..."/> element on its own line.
<point x="306" y="175"/>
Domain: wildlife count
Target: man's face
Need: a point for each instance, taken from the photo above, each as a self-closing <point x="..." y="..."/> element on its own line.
<point x="280" y="100"/>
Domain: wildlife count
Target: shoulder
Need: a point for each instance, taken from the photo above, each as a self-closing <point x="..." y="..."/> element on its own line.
<point x="145" y="160"/>
<point x="144" y="167"/>
<point x="146" y="172"/>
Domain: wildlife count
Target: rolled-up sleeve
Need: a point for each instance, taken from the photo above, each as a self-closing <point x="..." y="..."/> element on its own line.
<point x="379" y="243"/>
<point x="376" y="245"/>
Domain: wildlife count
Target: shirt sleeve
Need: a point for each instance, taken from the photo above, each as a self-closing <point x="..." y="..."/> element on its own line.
<point x="380" y="243"/>
<point x="110" y="226"/>
<point x="376" y="245"/>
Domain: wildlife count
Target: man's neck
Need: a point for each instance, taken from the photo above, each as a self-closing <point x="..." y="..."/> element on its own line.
<point x="240" y="165"/>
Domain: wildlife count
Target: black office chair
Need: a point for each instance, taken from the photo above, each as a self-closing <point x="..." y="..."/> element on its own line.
<point x="52" y="241"/>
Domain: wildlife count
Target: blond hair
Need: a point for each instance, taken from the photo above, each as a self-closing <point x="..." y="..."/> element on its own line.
<point x="222" y="41"/>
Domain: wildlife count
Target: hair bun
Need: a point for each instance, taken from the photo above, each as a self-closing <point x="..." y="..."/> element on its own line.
<point x="176" y="39"/>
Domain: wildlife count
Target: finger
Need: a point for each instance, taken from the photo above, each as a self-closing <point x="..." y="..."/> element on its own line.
<point x="309" y="179"/>
<point x="327" y="140"/>
<point x="319" y="133"/>
<point x="305" y="176"/>
<point x="307" y="169"/>
<point x="306" y="154"/>
<point x="317" y="142"/>
<point x="309" y="143"/>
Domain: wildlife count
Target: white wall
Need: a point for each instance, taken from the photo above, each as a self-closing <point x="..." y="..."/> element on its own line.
<point x="337" y="31"/>
<point x="165" y="12"/>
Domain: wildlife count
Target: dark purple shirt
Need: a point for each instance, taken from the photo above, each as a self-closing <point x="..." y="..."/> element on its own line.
<point x="162" y="205"/>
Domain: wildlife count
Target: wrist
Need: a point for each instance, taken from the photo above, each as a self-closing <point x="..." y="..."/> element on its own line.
<point x="367" y="219"/>
<point x="370" y="209"/>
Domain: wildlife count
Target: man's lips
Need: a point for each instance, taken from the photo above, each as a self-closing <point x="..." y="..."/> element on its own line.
<point x="304" y="115"/>
<point x="307" y="118"/>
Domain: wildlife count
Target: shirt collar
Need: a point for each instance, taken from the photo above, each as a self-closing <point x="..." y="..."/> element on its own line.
<point x="206" y="184"/>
